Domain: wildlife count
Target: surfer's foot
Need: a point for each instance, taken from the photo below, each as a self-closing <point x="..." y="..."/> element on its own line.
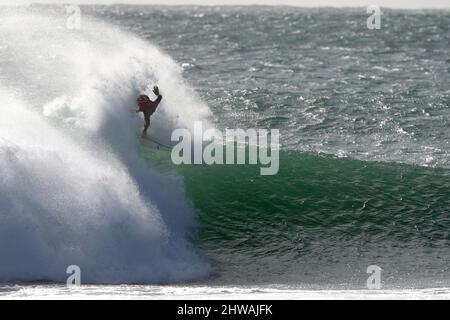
<point x="144" y="135"/>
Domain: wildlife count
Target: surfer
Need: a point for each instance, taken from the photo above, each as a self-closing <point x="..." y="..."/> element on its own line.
<point x="148" y="107"/>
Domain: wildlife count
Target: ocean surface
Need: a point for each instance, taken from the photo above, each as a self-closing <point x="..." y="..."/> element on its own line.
<point x="364" y="173"/>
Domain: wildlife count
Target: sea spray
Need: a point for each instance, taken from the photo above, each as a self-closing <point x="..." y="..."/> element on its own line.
<point x="73" y="190"/>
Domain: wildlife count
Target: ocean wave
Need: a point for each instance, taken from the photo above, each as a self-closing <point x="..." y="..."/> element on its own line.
<point x="73" y="190"/>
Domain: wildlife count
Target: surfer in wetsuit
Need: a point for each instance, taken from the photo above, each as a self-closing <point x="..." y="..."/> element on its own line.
<point x="148" y="107"/>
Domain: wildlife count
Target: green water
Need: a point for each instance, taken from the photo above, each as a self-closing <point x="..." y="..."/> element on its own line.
<point x="322" y="219"/>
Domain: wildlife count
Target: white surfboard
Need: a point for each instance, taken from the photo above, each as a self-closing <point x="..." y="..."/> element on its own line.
<point x="153" y="144"/>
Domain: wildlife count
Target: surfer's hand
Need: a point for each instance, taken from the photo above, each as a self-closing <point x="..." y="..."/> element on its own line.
<point x="156" y="90"/>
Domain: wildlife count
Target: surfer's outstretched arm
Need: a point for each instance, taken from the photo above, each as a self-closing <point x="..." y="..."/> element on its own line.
<point x="158" y="100"/>
<point x="156" y="91"/>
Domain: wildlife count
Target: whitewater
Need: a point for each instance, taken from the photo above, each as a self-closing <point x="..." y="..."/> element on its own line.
<point x="73" y="190"/>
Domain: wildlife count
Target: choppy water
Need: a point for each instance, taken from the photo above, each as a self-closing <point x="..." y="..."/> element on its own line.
<point x="364" y="120"/>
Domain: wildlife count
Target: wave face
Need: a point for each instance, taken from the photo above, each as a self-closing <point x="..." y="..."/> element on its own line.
<point x="73" y="190"/>
<point x="323" y="220"/>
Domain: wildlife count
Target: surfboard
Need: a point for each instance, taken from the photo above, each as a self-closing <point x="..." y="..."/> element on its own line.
<point x="153" y="144"/>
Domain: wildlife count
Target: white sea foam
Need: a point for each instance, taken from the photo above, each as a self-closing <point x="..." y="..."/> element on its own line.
<point x="73" y="189"/>
<point x="147" y="292"/>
